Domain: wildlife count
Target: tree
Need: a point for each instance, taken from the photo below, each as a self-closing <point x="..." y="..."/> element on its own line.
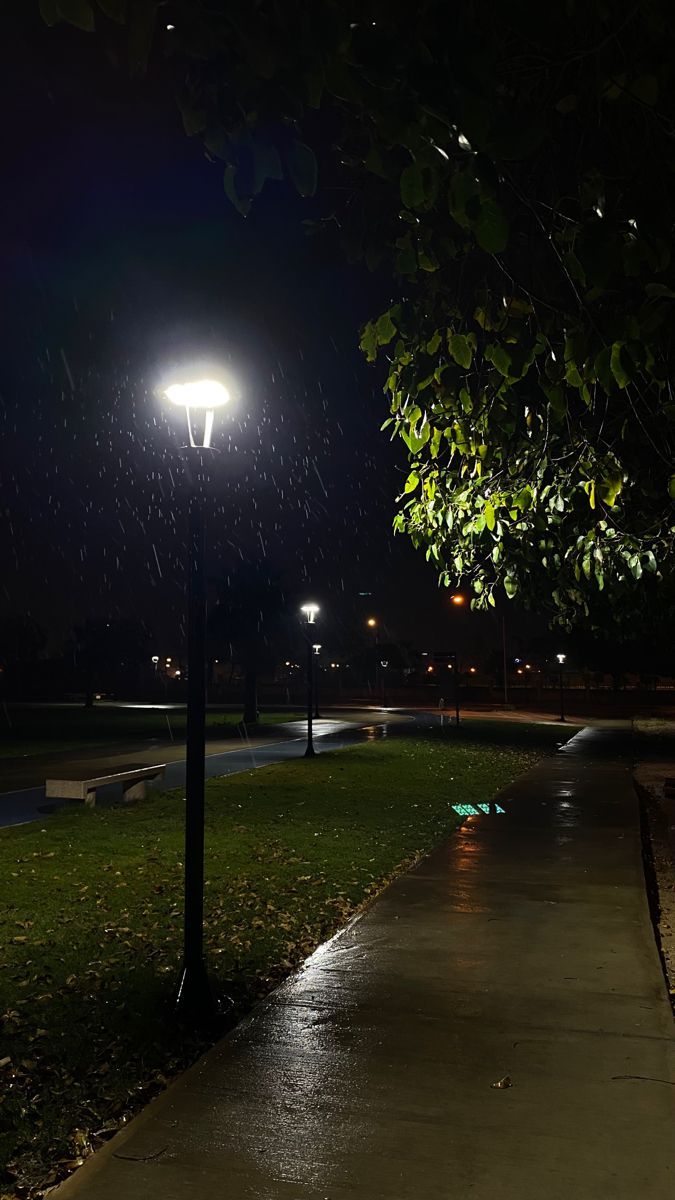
<point x="22" y="640"/>
<point x="243" y="624"/>
<point x="512" y="167"/>
<point x="101" y="648"/>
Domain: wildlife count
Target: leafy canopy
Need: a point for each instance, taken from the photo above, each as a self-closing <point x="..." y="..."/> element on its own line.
<point x="512" y="167"/>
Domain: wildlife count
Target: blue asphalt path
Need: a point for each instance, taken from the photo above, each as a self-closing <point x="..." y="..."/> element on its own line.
<point x="21" y="806"/>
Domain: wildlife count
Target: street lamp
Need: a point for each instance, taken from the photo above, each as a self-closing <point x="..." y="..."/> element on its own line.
<point x="372" y="624"/>
<point x="561" y="658"/>
<point x="458" y="598"/>
<point x="316" y="647"/>
<point x="200" y="398"/>
<point x="309" y="612"/>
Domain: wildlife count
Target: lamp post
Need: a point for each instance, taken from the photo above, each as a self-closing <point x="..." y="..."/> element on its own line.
<point x="372" y="625"/>
<point x="316" y="647"/>
<point x="384" y="663"/>
<point x="561" y="659"/>
<point x="195" y="998"/>
<point x="309" y="612"/>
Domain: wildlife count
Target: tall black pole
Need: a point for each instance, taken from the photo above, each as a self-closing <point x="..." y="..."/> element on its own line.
<point x="316" y="685"/>
<point x="310" y="751"/>
<point x="562" y="696"/>
<point x="506" y="684"/>
<point x="195" y="998"/>
<point x="456" y="690"/>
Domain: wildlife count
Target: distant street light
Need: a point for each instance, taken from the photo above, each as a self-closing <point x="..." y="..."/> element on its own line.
<point x="199" y="398"/>
<point x="310" y="612"/>
<point x="458" y="598"/>
<point x="561" y="659"/>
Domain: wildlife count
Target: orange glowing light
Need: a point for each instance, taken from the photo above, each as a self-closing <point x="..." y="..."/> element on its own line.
<point x="458" y="598"/>
<point x="429" y="670"/>
<point x="371" y="622"/>
<point x="472" y="670"/>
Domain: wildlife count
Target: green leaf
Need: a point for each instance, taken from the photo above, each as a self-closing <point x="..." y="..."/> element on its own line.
<point x="426" y="262"/>
<point x="603" y="369"/>
<point x="406" y="259"/>
<point x="572" y="374"/>
<point x="302" y="168"/>
<point x="491" y="228"/>
<point x="385" y="329"/>
<point x="241" y="203"/>
<point x="315" y="81"/>
<point x="610" y="488"/>
<point x="645" y="89"/>
<point x="510" y="586"/>
<point x="460" y="349"/>
<point x="635" y="566"/>
<point x="266" y="165"/>
<point x="463" y="189"/>
<point x="499" y="357"/>
<point x="489" y="514"/>
<point x="435" y="443"/>
<point x="78" y="13"/>
<point x="434" y="342"/>
<point x="115" y="9"/>
<point x="194" y="120"/>
<point x="368" y="341"/>
<point x="567" y="104"/>
<point x="617" y="364"/>
<point x="141" y="31"/>
<point x="659" y="290"/>
<point x="523" y="500"/>
<point x="412" y="186"/>
<point x="49" y="11"/>
<point x="411" y="482"/>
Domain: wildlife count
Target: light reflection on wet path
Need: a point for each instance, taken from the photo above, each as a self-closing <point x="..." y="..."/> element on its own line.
<point x="521" y="947"/>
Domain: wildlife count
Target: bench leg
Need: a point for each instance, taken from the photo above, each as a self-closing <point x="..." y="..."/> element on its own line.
<point x="133" y="791"/>
<point x="90" y="798"/>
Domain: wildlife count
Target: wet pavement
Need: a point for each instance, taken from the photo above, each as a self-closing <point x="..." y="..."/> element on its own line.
<point x="522" y="947"/>
<point x="20" y="805"/>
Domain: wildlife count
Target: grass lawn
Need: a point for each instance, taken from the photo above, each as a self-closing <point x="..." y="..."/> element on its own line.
<point x="41" y="729"/>
<point x="91" y="909"/>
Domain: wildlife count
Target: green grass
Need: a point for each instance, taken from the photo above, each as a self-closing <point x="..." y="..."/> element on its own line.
<point x="47" y="728"/>
<point x="91" y="906"/>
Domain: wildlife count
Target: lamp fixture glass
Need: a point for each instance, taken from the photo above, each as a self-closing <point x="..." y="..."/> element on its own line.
<point x="310" y="612"/>
<point x="203" y="396"/>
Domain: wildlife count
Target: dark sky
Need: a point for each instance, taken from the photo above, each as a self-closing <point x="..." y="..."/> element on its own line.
<point x="120" y="258"/>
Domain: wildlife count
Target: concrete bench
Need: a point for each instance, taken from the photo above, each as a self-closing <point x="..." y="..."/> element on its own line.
<point x="133" y="780"/>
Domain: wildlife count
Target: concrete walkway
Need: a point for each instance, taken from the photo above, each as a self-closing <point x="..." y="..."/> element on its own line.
<point x="522" y="947"/>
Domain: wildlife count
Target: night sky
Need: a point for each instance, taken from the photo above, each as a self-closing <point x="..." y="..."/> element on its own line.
<point x="121" y="257"/>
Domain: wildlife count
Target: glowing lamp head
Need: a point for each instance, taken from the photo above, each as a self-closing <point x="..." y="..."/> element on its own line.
<point x="310" y="612"/>
<point x="561" y="658"/>
<point x="203" y="397"/>
<point x="371" y="623"/>
<point x="155" y="659"/>
<point x="316" y="647"/>
<point x="458" y="598"/>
